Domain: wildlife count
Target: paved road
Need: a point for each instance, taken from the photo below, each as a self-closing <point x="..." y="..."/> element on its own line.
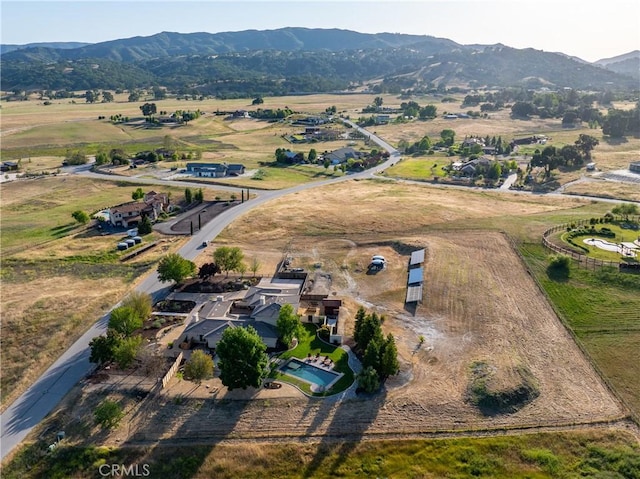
<point x="30" y="408"/>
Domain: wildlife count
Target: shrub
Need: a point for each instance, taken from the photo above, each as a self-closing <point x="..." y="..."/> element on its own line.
<point x="368" y="380"/>
<point x="108" y="414"/>
<point x="324" y="333"/>
<point x="548" y="461"/>
<point x="559" y="266"/>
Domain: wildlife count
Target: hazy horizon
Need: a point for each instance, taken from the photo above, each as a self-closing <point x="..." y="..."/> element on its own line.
<point x="590" y="31"/>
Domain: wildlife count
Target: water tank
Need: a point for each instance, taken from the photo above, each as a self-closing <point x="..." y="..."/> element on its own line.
<point x="122" y="246"/>
<point x="137" y="239"/>
<point x="130" y="242"/>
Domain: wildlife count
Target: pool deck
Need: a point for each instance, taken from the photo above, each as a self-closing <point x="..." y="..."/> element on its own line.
<point x="350" y="392"/>
<point x="314" y="363"/>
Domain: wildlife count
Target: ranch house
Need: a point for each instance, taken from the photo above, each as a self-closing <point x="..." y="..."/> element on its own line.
<point x="130" y="214"/>
<point x="259" y="308"/>
<point x="342" y="155"/>
<point x="215" y="170"/>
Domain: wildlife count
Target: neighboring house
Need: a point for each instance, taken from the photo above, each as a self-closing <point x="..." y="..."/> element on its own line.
<point x="235" y="169"/>
<point x="342" y="155"/>
<point x="327" y="134"/>
<point x="311" y="120"/>
<point x="291" y="156"/>
<point x="451" y="116"/>
<point x="470" y="167"/>
<point x="214" y="170"/>
<point x="489" y="150"/>
<point x="530" y="140"/>
<point x="473" y="141"/>
<point x="164" y="153"/>
<point x="9" y="166"/>
<point x="240" y="114"/>
<point x="382" y="119"/>
<point x="130" y="214"/>
<point x="634" y="167"/>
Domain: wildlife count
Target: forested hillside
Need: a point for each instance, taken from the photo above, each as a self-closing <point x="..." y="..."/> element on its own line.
<point x="294" y="60"/>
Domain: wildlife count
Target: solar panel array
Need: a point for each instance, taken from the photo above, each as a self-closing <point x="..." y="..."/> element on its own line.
<point x="417" y="257"/>
<point x="416" y="275"/>
<point x="414" y="293"/>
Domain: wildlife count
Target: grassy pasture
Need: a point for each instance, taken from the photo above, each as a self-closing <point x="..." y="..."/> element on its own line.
<point x="39" y="211"/>
<point x="418" y="168"/>
<point x="602" y="309"/>
<point x="376" y="206"/>
<point x="572" y="454"/>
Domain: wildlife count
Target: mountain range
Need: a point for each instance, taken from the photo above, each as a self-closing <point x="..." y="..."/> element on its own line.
<point x="289" y="60"/>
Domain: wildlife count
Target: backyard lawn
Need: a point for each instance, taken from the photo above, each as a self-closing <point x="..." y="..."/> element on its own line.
<point x="418" y="168"/>
<point x="625" y="232"/>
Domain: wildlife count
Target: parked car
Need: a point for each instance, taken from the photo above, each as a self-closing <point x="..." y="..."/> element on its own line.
<point x="205" y="244"/>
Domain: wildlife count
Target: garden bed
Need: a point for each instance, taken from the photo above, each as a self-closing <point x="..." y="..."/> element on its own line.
<point x="174" y="306"/>
<point x="220" y="285"/>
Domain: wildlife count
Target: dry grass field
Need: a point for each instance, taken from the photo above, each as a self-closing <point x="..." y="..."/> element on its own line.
<point x="388" y="208"/>
<point x="31" y="130"/>
<point x="58" y="277"/>
<point x="605" y="189"/>
<point x="480" y="305"/>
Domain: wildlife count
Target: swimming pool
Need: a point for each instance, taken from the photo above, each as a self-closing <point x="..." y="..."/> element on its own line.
<point x="310" y="373"/>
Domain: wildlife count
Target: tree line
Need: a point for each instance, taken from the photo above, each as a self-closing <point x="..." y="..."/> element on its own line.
<point x="378" y="354"/>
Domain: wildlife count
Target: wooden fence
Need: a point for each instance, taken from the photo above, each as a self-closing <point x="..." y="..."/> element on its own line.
<point x="629" y="411"/>
<point x="172" y="370"/>
<point x="582" y="259"/>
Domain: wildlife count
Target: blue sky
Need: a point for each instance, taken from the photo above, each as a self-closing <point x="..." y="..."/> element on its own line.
<point x="588" y="29"/>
